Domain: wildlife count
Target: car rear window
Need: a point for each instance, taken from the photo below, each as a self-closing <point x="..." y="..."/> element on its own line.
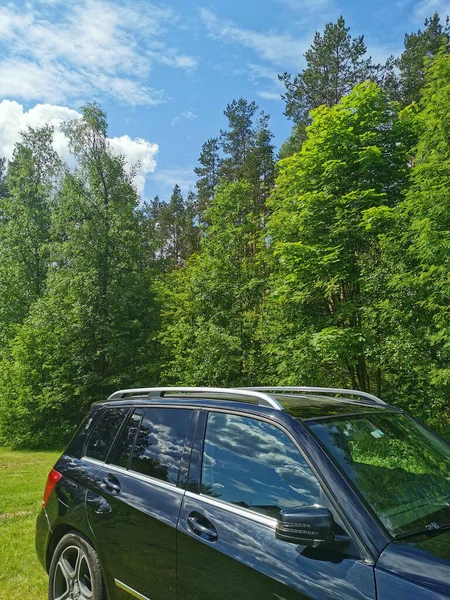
<point x="104" y="432"/>
<point x="121" y="452"/>
<point x="159" y="443"/>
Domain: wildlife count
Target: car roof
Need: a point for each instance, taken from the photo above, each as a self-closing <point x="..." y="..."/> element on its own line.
<point x="325" y="402"/>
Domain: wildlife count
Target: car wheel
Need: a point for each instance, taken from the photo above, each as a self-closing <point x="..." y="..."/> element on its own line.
<point x="75" y="572"/>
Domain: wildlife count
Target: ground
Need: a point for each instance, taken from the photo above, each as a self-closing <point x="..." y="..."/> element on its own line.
<point x="22" y="481"/>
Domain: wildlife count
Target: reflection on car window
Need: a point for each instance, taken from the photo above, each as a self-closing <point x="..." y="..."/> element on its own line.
<point x="104" y="432"/>
<point x="253" y="464"/>
<point x="159" y="443"/>
<point x="121" y="452"/>
<point x="401" y="469"/>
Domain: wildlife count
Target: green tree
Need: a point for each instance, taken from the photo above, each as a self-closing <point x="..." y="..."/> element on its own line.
<point x="259" y="166"/>
<point x="420" y="47"/>
<point x="89" y="332"/>
<point x="355" y="159"/>
<point x="26" y="200"/>
<point x="335" y="63"/>
<point x="177" y="222"/>
<point x="238" y="140"/>
<point x="152" y="236"/>
<point x="416" y="259"/>
<point x="210" y="306"/>
<point x="3" y="183"/>
<point x="208" y="175"/>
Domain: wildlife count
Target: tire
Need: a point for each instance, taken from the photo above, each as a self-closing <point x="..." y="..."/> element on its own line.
<point x="75" y="572"/>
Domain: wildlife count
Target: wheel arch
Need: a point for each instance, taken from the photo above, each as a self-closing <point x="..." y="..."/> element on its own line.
<point x="59" y="532"/>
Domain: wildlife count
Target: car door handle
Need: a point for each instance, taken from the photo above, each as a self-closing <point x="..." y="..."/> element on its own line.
<point x="202" y="527"/>
<point x="111" y="483"/>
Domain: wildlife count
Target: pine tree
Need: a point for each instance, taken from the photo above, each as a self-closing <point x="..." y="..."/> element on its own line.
<point x="173" y="224"/>
<point x="420" y="47"/>
<point x="208" y="175"/>
<point x="238" y="140"/>
<point x="259" y="165"/>
<point x="335" y="63"/>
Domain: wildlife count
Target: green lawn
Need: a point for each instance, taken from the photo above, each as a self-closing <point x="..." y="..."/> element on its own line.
<point x="22" y="481"/>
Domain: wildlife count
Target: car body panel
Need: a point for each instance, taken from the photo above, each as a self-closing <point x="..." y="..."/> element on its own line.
<point x="248" y="562"/>
<point x="137" y="526"/>
<point x="423" y="563"/>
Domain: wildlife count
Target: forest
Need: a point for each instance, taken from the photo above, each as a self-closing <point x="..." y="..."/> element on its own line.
<point x="327" y="263"/>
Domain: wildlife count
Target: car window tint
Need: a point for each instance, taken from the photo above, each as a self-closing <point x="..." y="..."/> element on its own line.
<point x="159" y="443"/>
<point x="76" y="445"/>
<point x="255" y="465"/>
<point x="104" y="432"/>
<point x="121" y="452"/>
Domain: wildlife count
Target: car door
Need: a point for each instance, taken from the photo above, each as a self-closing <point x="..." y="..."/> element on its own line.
<point x="250" y="469"/>
<point x="134" y="504"/>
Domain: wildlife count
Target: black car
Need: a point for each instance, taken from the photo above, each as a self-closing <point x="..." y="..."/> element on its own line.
<point x="248" y="494"/>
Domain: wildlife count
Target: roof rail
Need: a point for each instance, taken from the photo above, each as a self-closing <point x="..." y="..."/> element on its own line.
<point x="318" y="390"/>
<point x="252" y="394"/>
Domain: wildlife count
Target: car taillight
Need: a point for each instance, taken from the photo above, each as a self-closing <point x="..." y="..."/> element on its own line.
<point x="52" y="480"/>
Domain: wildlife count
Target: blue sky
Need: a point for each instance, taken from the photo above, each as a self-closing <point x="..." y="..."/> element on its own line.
<point x="164" y="72"/>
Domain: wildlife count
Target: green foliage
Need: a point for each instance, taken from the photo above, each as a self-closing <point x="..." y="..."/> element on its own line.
<point x="210" y="307"/>
<point x="416" y="262"/>
<point x="420" y="48"/>
<point x="208" y="174"/>
<point x="354" y="161"/>
<point x="335" y="63"/>
<point x="337" y="275"/>
<point x="86" y="333"/>
<point x="26" y="199"/>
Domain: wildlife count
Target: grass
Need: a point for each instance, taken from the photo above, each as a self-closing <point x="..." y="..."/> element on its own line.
<point x="22" y="481"/>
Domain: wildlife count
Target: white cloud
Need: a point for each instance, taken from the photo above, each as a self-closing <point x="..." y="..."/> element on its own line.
<point x="186" y="114"/>
<point x="277" y="48"/>
<point x="13" y="120"/>
<point x="137" y="151"/>
<point x="267" y="95"/>
<point x="426" y="8"/>
<point x="306" y="5"/>
<point x="168" y="178"/>
<point x="87" y="48"/>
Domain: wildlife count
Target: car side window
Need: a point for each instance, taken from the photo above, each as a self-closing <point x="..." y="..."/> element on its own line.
<point x="159" y="443"/>
<point x="121" y="452"/>
<point x="104" y="432"/>
<point x="254" y="464"/>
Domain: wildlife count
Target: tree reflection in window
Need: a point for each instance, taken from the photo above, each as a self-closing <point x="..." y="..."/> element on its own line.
<point x="401" y="469"/>
<point x="159" y="443"/>
<point x="105" y="432"/>
<point x="253" y="464"/>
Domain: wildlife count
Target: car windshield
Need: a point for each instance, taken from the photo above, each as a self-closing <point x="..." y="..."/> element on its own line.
<point x="400" y="468"/>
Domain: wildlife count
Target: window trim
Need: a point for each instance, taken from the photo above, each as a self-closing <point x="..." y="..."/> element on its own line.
<point x="167" y="485"/>
<point x="270" y="522"/>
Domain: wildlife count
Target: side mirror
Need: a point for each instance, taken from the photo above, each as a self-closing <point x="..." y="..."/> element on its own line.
<point x="306" y="526"/>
